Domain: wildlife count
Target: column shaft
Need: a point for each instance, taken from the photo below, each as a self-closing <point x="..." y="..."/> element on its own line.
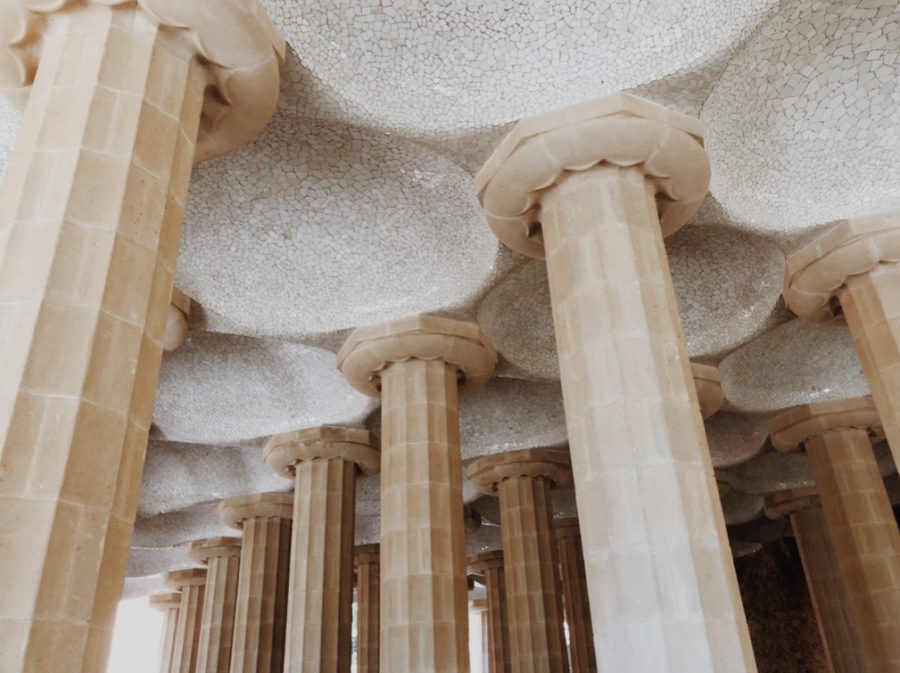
<point x="261" y="609"/>
<point x="577" y="605"/>
<point x="864" y="534"/>
<point x="217" y="627"/>
<point x="424" y="604"/>
<point x="497" y="620"/>
<point x="187" y="632"/>
<point x="829" y="596"/>
<point x="535" y="616"/>
<point x="872" y="310"/>
<point x="321" y="595"/>
<point x="367" y="617"/>
<point x="167" y="644"/>
<point x="662" y="584"/>
<point x="90" y="216"/>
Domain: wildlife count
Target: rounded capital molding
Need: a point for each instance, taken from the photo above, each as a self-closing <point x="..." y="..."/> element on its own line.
<point x="471" y="519"/>
<point x="370" y="350"/>
<point x="234" y="511"/>
<point x="367" y="554"/>
<point x="794" y="427"/>
<point x="709" y="388"/>
<point x="815" y="275"/>
<point x="235" y="40"/>
<point x="176" y="321"/>
<point x="619" y="130"/>
<point x="566" y="528"/>
<point x="189" y="577"/>
<point x="484" y="561"/>
<point x="785" y="503"/>
<point x="487" y="472"/>
<point x="284" y="451"/>
<point x="201" y="551"/>
<point x="167" y="601"/>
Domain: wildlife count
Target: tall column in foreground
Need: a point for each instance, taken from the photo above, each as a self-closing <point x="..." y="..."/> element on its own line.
<point x="323" y="462"/>
<point x="192" y="585"/>
<point x="575" y="596"/>
<point x="368" y="604"/>
<point x="858" y="514"/>
<point x="419" y="366"/>
<point x="594" y="188"/>
<point x="222" y="557"/>
<point x="489" y="565"/>
<point x="523" y="481"/>
<point x="852" y="274"/>
<point x="169" y="604"/>
<point x="831" y="602"/>
<point x="120" y="99"/>
<point x="261" y="608"/>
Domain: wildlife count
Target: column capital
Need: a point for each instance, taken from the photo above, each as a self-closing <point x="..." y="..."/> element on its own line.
<point x="815" y="275"/>
<point x="201" y="551"/>
<point x="166" y="601"/>
<point x="709" y="388"/>
<point x="176" y="321"/>
<point x="283" y="452"/>
<point x="234" y="511"/>
<point x="567" y="528"/>
<point x="235" y="40"/>
<point x="794" y="427"/>
<point x="618" y="129"/>
<point x="188" y="577"/>
<point x="371" y="349"/>
<point x="487" y="472"/>
<point x="785" y="503"/>
<point x="367" y="554"/>
<point x="483" y="561"/>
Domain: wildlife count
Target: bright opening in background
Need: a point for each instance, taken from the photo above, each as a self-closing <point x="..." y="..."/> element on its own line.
<point x="136" y="638"/>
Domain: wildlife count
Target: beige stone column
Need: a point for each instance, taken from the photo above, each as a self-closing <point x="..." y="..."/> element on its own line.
<point x="261" y="608"/>
<point x="595" y="187"/>
<point x="419" y="366"/>
<point x="185" y="649"/>
<point x="575" y="596"/>
<point x="523" y="481"/>
<point x="852" y="275"/>
<point x="222" y="557"/>
<point x="90" y="216"/>
<point x="489" y="565"/>
<point x="861" y="524"/>
<point x="831" y="603"/>
<point x="169" y="604"/>
<point x="323" y="462"/>
<point x="368" y="580"/>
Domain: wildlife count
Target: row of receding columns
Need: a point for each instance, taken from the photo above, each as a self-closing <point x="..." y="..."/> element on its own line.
<point x="121" y="100"/>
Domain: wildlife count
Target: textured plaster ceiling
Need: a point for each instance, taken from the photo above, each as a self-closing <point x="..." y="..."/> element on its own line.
<point x="356" y="205"/>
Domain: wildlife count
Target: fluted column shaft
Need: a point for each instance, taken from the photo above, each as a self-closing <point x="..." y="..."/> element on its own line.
<point x="424" y="603"/>
<point x="864" y="535"/>
<point x="170" y="605"/>
<point x="368" y="580"/>
<point x="827" y="590"/>
<point x="222" y="559"/>
<point x="186" y="648"/>
<point x="490" y="565"/>
<point x="575" y="597"/>
<point x="664" y="595"/>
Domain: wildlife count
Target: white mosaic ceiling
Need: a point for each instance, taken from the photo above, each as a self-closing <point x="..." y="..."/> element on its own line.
<point x="357" y="205"/>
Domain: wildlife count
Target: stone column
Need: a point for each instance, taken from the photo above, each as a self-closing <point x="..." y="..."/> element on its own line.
<point x="192" y="585"/>
<point x="523" y="481"/>
<point x="861" y="524"/>
<point x="323" y="462"/>
<point x="261" y="608"/>
<point x="169" y="604"/>
<point x="831" y="602"/>
<point x="91" y="209"/>
<point x="367" y="608"/>
<point x="575" y="596"/>
<point x="594" y="188"/>
<point x="852" y="275"/>
<point x="419" y="366"/>
<point x="489" y="565"/>
<point x="222" y="557"/>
